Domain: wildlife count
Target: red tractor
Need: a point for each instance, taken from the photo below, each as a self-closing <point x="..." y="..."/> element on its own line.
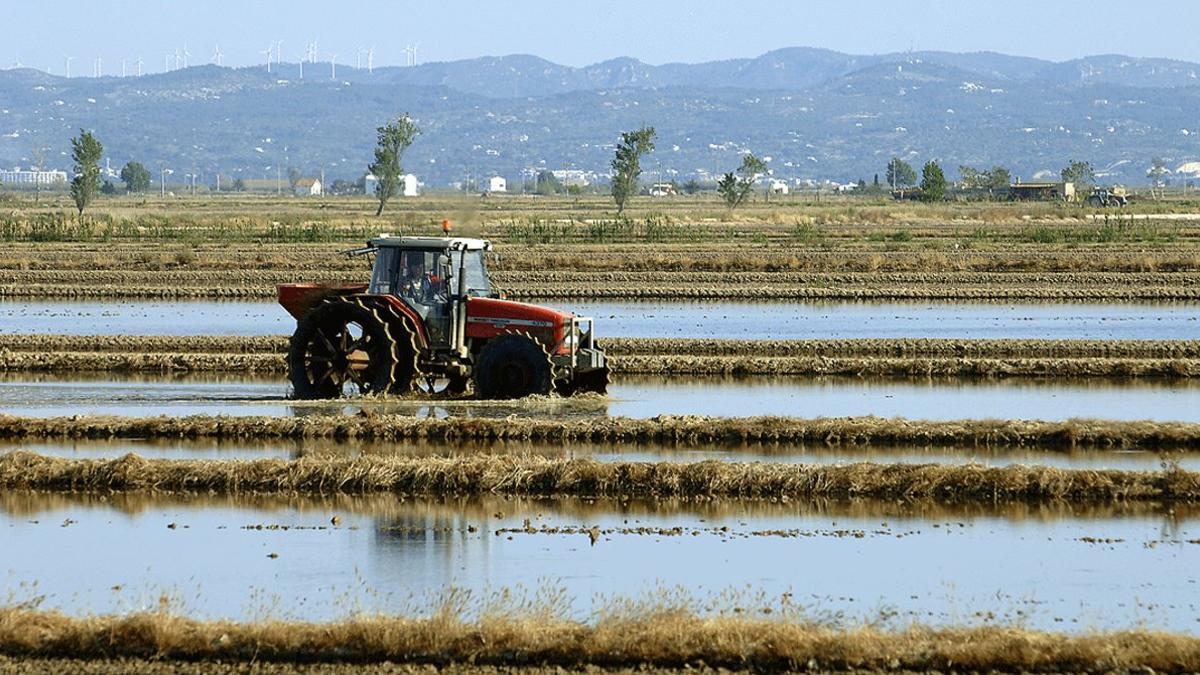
<point x="429" y="320"/>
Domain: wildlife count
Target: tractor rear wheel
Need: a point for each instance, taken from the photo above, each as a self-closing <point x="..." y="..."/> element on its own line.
<point x="513" y="366"/>
<point x="341" y="347"/>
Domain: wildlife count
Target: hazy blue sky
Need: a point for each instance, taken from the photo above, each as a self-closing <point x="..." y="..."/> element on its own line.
<point x="579" y="33"/>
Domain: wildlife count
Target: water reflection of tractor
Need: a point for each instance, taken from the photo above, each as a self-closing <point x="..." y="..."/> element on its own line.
<point x="1103" y="198"/>
<point x="430" y="321"/>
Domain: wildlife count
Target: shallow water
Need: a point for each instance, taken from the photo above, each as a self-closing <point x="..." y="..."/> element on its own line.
<point x="716" y="319"/>
<point x="641" y="397"/>
<point x="1110" y="569"/>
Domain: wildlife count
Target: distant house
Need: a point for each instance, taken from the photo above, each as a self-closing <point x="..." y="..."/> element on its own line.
<point x="780" y="187"/>
<point x="409" y="186"/>
<point x="497" y="184"/>
<point x="33" y="177"/>
<point x="307" y="187"/>
<point x="662" y="190"/>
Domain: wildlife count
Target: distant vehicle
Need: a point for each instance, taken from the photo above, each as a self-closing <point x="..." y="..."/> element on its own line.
<point x="1104" y="198"/>
<point x="1041" y="192"/>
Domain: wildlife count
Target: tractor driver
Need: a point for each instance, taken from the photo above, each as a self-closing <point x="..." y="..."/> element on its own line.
<point x="416" y="284"/>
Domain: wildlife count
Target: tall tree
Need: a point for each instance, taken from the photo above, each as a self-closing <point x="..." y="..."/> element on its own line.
<point x="971" y="178"/>
<point x="86" y="151"/>
<point x="901" y="174"/>
<point x="394" y="139"/>
<point x="136" y="177"/>
<point x="998" y="178"/>
<point x="933" y="182"/>
<point x="1158" y="174"/>
<point x="735" y="187"/>
<point x="548" y="184"/>
<point x="1082" y="174"/>
<point x="627" y="164"/>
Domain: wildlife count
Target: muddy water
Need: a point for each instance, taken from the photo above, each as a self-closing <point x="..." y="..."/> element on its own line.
<point x="1111" y="569"/>
<point x="718" y="319"/>
<point x="933" y="399"/>
<point x="779" y="454"/>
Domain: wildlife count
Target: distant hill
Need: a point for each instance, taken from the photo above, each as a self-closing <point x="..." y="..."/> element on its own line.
<point x="816" y="113"/>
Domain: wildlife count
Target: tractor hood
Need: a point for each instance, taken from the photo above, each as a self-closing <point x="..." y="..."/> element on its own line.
<point x="487" y="317"/>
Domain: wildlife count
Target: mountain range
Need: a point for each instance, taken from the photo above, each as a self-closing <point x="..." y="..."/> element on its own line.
<point x="816" y="114"/>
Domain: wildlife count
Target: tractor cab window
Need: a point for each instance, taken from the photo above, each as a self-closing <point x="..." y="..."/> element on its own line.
<point x="475" y="272"/>
<point x="423" y="282"/>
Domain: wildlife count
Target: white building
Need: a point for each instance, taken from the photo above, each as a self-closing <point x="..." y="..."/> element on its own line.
<point x="307" y="187"/>
<point x="32" y="178"/>
<point x="409" y="186"/>
<point x="497" y="184"/>
<point x="778" y="187"/>
<point x="573" y="177"/>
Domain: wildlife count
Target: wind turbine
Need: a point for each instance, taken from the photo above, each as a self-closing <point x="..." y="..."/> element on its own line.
<point x="312" y="51"/>
<point x="186" y="54"/>
<point x="123" y="71"/>
<point x="217" y="56"/>
<point x="267" y="52"/>
<point x="279" y="52"/>
<point x="411" y="52"/>
<point x="178" y="59"/>
<point x="371" y="60"/>
<point x="358" y="58"/>
<point x="302" y="57"/>
<point x="98" y="68"/>
<point x="68" y="60"/>
<point x="166" y="63"/>
<point x="139" y="66"/>
<point x="333" y="67"/>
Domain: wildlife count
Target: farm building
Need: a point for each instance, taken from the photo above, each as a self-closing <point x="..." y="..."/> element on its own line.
<point x="497" y="184"/>
<point x="307" y="187"/>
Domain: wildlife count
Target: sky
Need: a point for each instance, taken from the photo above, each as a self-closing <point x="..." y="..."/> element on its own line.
<point x="576" y="33"/>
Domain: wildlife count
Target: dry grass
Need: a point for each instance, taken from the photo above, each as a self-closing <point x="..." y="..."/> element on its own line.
<point x="663" y="430"/>
<point x="539" y="476"/>
<point x="644" y="635"/>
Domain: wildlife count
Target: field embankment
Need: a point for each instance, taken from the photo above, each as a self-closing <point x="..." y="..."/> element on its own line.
<point x="665" y="430"/>
<point x="663" y="637"/>
<point x="658" y="356"/>
<point x="538" y="476"/>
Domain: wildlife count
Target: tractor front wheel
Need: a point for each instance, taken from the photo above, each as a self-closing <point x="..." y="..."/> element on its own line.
<point x="513" y="366"/>
<point x="341" y="347"/>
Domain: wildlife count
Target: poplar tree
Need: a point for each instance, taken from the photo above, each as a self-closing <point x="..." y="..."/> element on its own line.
<point x="86" y="151"/>
<point x="387" y="168"/>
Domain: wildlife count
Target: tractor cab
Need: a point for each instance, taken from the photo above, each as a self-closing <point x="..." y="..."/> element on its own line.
<point x="430" y="275"/>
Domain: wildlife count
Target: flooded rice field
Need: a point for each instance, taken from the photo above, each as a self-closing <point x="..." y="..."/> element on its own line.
<point x="46" y="395"/>
<point x="717" y="319"/>
<point x="1112" y="567"/>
